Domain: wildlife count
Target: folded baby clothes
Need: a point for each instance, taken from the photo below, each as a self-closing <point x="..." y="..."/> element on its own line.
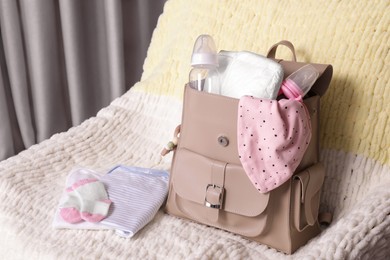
<point x="136" y="195"/>
<point x="83" y="203"/>
<point x="246" y="73"/>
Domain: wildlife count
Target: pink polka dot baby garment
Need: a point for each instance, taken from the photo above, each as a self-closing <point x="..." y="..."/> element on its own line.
<point x="272" y="138"/>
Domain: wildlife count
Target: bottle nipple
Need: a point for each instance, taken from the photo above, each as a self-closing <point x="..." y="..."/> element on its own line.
<point x="205" y="52"/>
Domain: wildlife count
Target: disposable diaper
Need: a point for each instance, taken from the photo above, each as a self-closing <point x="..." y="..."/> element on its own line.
<point x="246" y="73"/>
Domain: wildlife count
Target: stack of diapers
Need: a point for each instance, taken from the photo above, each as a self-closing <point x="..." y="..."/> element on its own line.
<point x="245" y="73"/>
<point x="124" y="199"/>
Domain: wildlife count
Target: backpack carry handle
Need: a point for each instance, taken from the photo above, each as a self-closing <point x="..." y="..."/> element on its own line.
<point x="272" y="51"/>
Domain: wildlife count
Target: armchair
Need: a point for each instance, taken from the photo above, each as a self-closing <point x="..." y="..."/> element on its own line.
<point x="355" y="145"/>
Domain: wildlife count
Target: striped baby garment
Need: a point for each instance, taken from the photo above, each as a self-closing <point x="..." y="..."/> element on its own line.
<point x="136" y="195"/>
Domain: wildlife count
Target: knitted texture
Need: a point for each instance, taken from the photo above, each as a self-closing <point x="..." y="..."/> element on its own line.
<point x="350" y="35"/>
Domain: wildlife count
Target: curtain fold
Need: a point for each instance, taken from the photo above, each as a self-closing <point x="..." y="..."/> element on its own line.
<point x="63" y="60"/>
<point x="14" y="66"/>
<point x="43" y="58"/>
<point x="93" y="47"/>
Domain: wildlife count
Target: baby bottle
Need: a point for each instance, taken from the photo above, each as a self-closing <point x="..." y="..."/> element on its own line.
<point x="204" y="74"/>
<point x="299" y="83"/>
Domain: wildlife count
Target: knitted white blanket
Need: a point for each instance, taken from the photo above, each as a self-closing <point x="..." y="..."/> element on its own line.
<point x="350" y="35"/>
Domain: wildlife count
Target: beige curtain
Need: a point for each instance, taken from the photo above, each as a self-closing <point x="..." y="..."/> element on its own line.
<point x="63" y="60"/>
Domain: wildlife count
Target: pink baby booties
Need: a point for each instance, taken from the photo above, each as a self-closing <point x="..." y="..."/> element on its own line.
<point x="272" y="139"/>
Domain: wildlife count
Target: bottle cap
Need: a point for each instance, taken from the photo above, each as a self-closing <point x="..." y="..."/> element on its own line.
<point x="299" y="83"/>
<point x="290" y="89"/>
<point x="204" y="52"/>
